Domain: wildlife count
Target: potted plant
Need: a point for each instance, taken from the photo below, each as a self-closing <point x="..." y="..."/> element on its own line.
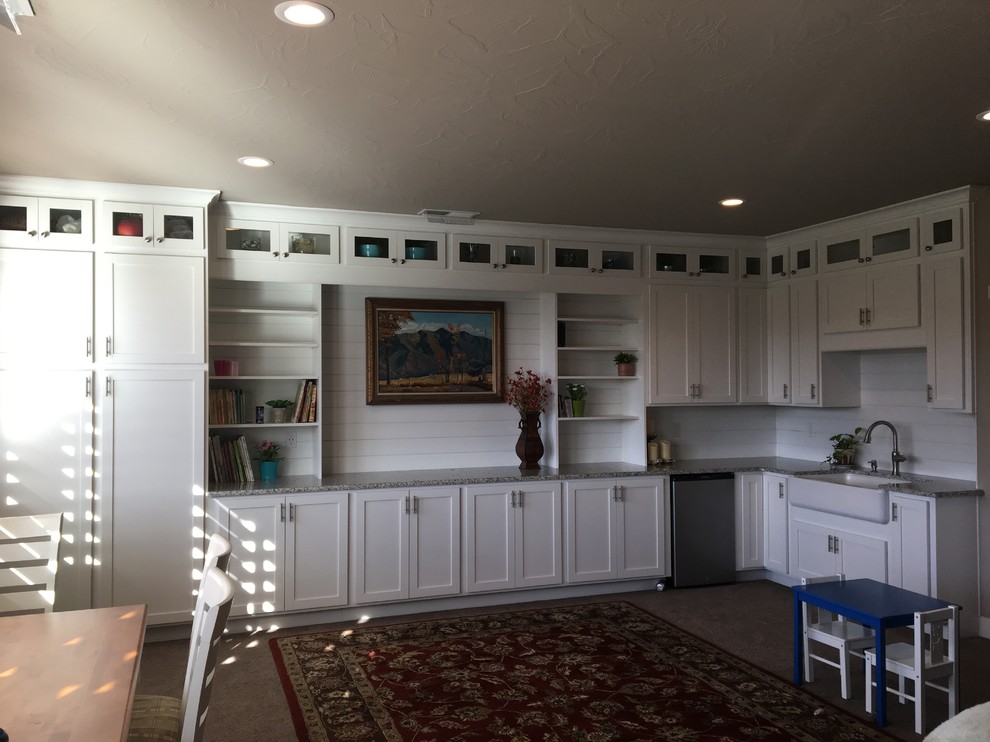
<point x="578" y="394"/>
<point x="280" y="409"/>
<point x="266" y="454"/>
<point x="843" y="448"/>
<point x="625" y="363"/>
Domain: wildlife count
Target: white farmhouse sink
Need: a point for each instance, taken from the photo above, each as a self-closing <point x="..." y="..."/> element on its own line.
<point x="853" y="494"/>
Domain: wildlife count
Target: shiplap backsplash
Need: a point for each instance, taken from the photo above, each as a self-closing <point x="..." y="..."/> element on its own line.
<point x="358" y="437"/>
<point x="893" y="384"/>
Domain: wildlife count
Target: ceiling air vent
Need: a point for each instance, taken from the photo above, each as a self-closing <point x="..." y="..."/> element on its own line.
<point x="12" y="9"/>
<point x="446" y="216"/>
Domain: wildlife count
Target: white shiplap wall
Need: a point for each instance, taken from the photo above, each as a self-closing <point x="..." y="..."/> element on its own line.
<point x="893" y="384"/>
<point x="367" y="438"/>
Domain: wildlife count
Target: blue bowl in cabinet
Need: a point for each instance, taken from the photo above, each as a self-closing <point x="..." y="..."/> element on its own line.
<point x="369" y="251"/>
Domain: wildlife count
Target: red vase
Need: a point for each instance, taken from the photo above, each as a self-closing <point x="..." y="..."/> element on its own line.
<point x="529" y="447"/>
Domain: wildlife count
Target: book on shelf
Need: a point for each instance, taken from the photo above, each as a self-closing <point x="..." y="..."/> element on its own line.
<point x="227" y="406"/>
<point x="312" y="403"/>
<point x="300" y="394"/>
<point x="230" y="459"/>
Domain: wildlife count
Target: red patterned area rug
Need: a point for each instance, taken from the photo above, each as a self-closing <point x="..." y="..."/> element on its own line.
<point x="604" y="671"/>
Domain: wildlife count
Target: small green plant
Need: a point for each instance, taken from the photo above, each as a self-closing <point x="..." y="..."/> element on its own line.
<point x="625" y="358"/>
<point x="843" y="448"/>
<point x="577" y="391"/>
<point x="279" y="403"/>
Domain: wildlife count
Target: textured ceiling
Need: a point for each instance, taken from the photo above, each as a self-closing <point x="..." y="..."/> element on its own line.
<point x="619" y="113"/>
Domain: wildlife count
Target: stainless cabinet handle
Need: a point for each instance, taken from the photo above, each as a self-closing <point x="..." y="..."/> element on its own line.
<point x="89" y="387"/>
<point x="812" y="391"/>
<point x="407" y="505"/>
<point x="830" y="544"/>
<point x="931" y="396"/>
<point x="109" y="387"/>
<point x="292" y="512"/>
<point x="893" y="511"/>
<point x="282" y="512"/>
<point x="835" y="547"/>
<point x="699" y="391"/>
<point x="513" y="498"/>
<point x="109" y="346"/>
<point x="869" y="318"/>
<point x="415" y="505"/>
<point x="521" y="498"/>
<point x="780" y="490"/>
<point x="618" y="493"/>
<point x="862" y="316"/>
<point x="615" y="493"/>
<point x="89" y="347"/>
<point x="785" y="391"/>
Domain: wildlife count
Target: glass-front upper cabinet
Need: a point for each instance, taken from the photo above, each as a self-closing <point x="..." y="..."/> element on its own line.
<point x="586" y="258"/>
<point x="942" y="231"/>
<point x="877" y="244"/>
<point x="26" y="221"/>
<point x="152" y="225"/>
<point x="241" y="239"/>
<point x="384" y="248"/>
<point x="790" y="261"/>
<point x="752" y="265"/>
<point x="509" y="254"/>
<point x="717" y="264"/>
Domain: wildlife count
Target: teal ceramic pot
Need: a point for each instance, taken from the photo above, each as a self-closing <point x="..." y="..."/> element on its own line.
<point x="369" y="251"/>
<point x="268" y="470"/>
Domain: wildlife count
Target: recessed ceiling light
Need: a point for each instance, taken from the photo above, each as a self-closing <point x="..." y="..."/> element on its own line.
<point x="732" y="202"/>
<point x="255" y="161"/>
<point x="985" y="116"/>
<point x="304" y="13"/>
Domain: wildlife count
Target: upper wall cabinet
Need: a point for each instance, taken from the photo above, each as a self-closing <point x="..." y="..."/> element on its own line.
<point x="790" y="261"/>
<point x="942" y="231"/>
<point x="239" y="239"/>
<point x="882" y="242"/>
<point x="509" y="254"/>
<point x="585" y="258"/>
<point x="681" y="262"/>
<point x="62" y="223"/>
<point x="378" y="247"/>
<point x="753" y="266"/>
<point x="152" y="226"/>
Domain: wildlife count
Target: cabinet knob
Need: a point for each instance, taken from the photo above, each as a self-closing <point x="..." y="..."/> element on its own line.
<point x="45" y="234"/>
<point x="394" y="260"/>
<point x="147" y="239"/>
<point x="869" y="259"/>
<point x="285" y="255"/>
<point x="745" y="275"/>
<point x="928" y="248"/>
<point x="32" y="233"/>
<point x="793" y="272"/>
<point x="495" y="266"/>
<point x="274" y="253"/>
<point x="161" y="239"/>
<point x="502" y="266"/>
<point x="860" y="260"/>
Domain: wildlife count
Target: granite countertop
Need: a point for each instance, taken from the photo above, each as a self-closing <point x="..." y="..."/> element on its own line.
<point x="917" y="485"/>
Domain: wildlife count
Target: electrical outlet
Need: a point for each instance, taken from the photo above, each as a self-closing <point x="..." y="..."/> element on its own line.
<point x="291" y="441"/>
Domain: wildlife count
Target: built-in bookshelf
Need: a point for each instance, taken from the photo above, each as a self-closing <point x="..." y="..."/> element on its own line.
<point x="265" y="345"/>
<point x="591" y="330"/>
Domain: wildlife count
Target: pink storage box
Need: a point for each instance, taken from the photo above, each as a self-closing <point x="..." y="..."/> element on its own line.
<point x="224" y="368"/>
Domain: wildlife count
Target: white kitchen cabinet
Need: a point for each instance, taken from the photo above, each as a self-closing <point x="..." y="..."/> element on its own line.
<point x="753" y="350"/>
<point x="149" y="487"/>
<point x="512" y="537"/>
<point x="241" y="239"/>
<point x="798" y="373"/>
<point x="791" y="261"/>
<point x="881" y="298"/>
<point x="152" y="309"/>
<point x="152" y="226"/>
<point x="289" y="552"/>
<point x="678" y="263"/>
<point x="616" y="529"/>
<point x="750" y="521"/>
<point x="752" y="266"/>
<point x="590" y="258"/>
<point x="879" y="243"/>
<point x="819" y="546"/>
<point x="506" y="254"/>
<point x="60" y="223"/>
<point x="775" y="514"/>
<point x="51" y="327"/>
<point x="405" y="544"/>
<point x="46" y="425"/>
<point x="946" y="299"/>
<point x="694" y="344"/>
<point x="943" y="230"/>
<point x="389" y="248"/>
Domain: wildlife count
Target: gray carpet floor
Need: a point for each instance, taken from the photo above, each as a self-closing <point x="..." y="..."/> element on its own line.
<point x="752" y="620"/>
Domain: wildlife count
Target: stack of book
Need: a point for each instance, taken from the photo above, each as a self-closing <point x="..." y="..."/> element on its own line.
<point x="230" y="460"/>
<point x="306" y="402"/>
<point x="227" y="407"/>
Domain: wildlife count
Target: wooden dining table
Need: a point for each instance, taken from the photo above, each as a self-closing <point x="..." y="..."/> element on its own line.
<point x="70" y="675"/>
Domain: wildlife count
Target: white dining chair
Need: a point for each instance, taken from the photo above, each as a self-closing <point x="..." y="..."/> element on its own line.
<point x="168" y="719"/>
<point x="217" y="555"/>
<point x="29" y="563"/>
<point x="847" y="637"/>
<point x="931" y="656"/>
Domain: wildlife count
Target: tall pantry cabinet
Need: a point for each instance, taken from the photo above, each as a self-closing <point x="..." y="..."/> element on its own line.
<point x="102" y="371"/>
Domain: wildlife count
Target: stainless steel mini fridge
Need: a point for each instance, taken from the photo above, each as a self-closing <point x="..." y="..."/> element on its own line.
<point x="703" y="528"/>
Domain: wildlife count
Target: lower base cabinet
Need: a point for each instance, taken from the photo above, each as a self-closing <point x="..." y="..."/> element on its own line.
<point x="775" y="523"/>
<point x="512" y="537"/>
<point x="289" y="553"/>
<point x="405" y="544"/>
<point x="820" y="547"/>
<point x="617" y="529"/>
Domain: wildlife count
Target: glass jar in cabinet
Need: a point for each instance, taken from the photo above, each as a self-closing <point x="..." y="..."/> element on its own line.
<point x="137" y="225"/>
<point x="26" y="221"/>
<point x="241" y="239"/>
<point x="509" y="254"/>
<point x="309" y="243"/>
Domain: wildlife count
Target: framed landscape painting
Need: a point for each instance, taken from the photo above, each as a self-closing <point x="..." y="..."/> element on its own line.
<point x="424" y="351"/>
